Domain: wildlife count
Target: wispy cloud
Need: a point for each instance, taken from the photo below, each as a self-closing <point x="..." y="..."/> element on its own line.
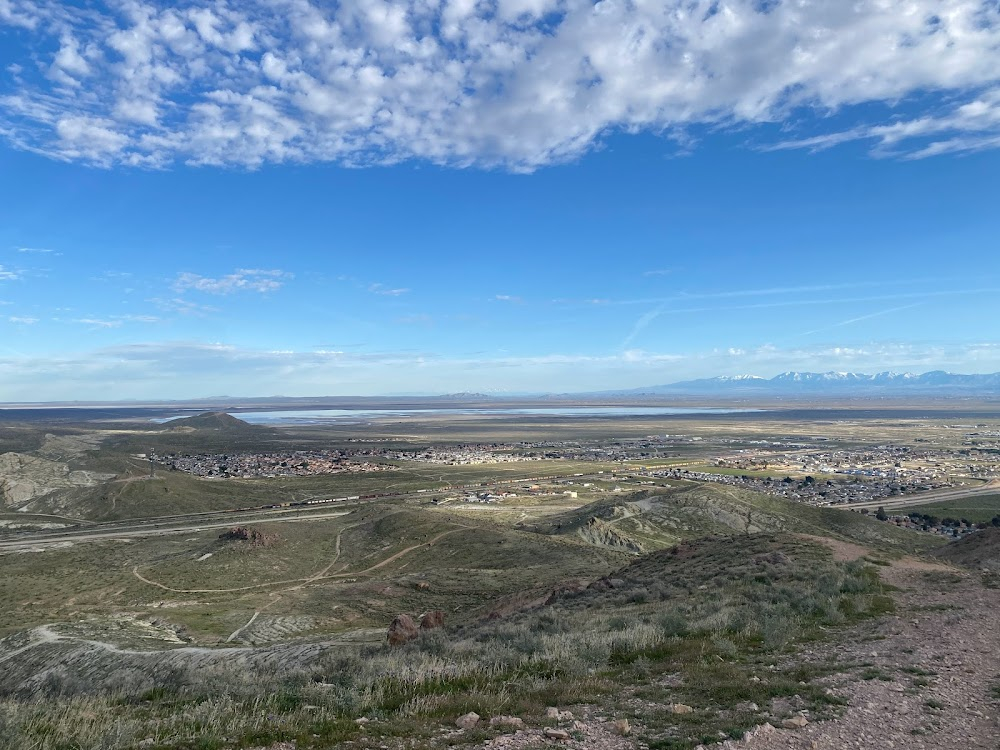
<point x="508" y="298"/>
<point x="663" y="309"/>
<point x="385" y="291"/>
<point x="859" y="319"/>
<point x="22" y="320"/>
<point x="99" y="322"/>
<point x="191" y="369"/>
<point x="116" y="321"/>
<point x="973" y="125"/>
<point x="183" y="306"/>
<point x="8" y="274"/>
<point x="657" y="272"/>
<point x="241" y="280"/>
<point x="640" y="325"/>
<point x="416" y="319"/>
<point x="37" y="251"/>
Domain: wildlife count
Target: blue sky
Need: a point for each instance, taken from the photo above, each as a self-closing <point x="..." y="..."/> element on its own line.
<point x="293" y="198"/>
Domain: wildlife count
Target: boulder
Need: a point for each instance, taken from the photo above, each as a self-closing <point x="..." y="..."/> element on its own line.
<point x="796" y="722"/>
<point x="402" y="630"/>
<point x="431" y="620"/>
<point x="556" y="734"/>
<point x="467" y="721"/>
<point x="569" y="588"/>
<point x="507" y="721"/>
<point x="680" y="708"/>
<point x="554" y="713"/>
<point x="606" y="584"/>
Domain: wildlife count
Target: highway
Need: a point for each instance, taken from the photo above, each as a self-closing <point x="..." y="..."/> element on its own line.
<point x="193" y="522"/>
<point x="334" y="507"/>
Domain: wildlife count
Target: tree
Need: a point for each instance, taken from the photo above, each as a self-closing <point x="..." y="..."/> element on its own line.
<point x="880" y="514"/>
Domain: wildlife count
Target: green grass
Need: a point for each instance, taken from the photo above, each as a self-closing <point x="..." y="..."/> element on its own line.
<point x="657" y="518"/>
<point x="712" y="614"/>
<point x="467" y="572"/>
<point x="977" y="509"/>
<point x="135" y="495"/>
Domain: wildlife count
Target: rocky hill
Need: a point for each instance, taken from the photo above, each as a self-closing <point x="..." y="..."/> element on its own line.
<point x="212" y="420"/>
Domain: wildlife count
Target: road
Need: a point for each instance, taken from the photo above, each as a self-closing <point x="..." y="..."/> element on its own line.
<point x="188" y="523"/>
<point x="140" y="529"/>
<point x="185" y="524"/>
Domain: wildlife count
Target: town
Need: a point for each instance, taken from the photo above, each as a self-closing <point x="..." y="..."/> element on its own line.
<point x="266" y="465"/>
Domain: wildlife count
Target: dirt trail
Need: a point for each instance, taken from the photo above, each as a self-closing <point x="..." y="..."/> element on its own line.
<point x="842" y="551"/>
<point x="320" y="576"/>
<point x="937" y="663"/>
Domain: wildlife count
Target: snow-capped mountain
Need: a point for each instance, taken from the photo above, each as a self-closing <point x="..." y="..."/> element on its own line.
<point x="937" y="382"/>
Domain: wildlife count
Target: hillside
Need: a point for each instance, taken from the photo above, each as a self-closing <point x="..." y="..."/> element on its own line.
<point x="651" y="520"/>
<point x="213" y="420"/>
<point x="662" y="631"/>
<point x="980" y="550"/>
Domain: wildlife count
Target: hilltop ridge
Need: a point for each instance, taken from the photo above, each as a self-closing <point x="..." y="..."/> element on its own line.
<point x="211" y="420"/>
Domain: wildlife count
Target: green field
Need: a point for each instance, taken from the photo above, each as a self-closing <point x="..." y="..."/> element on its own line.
<point x="977" y="509"/>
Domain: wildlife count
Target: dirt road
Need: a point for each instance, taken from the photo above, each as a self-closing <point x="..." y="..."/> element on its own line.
<point x="932" y="671"/>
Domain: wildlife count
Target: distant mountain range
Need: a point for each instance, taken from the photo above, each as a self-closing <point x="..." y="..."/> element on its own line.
<point x="937" y="382"/>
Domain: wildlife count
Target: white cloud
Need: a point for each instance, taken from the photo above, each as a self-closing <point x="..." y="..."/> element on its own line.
<point x="183" y="306"/>
<point x="508" y="298"/>
<point x="100" y="323"/>
<point x="971" y="126"/>
<point x="36" y="250"/>
<point x="386" y="291"/>
<point x="241" y="280"/>
<point x="22" y="320"/>
<point x="7" y="274"/>
<point x="192" y="369"/>
<point x="515" y="83"/>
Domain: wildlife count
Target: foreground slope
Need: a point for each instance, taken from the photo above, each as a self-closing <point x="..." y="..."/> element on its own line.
<point x="685" y="626"/>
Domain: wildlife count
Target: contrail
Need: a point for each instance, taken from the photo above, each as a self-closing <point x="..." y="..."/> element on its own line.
<point x="858" y="319"/>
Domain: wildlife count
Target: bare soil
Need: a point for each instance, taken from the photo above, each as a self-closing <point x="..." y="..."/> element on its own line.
<point x="928" y="674"/>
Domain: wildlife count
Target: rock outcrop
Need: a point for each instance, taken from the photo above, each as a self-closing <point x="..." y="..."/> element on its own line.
<point x="255" y="537"/>
<point x="431" y="620"/>
<point x="402" y="630"/>
<point x="604" y="534"/>
<point x="24" y="477"/>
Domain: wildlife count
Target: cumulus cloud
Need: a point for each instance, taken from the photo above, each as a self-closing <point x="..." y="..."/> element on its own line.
<point x="515" y="84"/>
<point x="241" y="280"/>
